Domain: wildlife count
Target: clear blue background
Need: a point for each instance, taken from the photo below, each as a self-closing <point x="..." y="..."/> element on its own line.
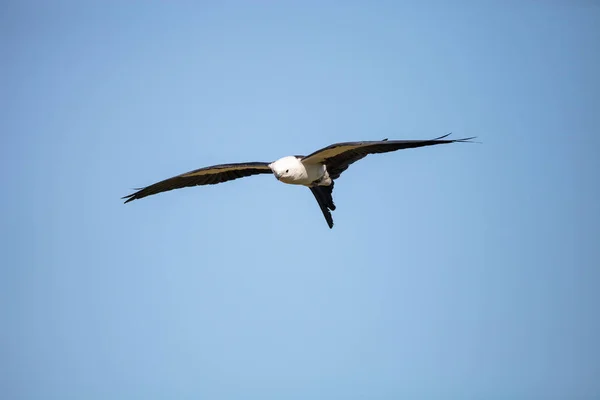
<point x="458" y="271"/>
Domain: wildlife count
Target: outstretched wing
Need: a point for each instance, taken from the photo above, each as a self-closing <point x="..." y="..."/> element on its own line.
<point x="203" y="176"/>
<point x="339" y="156"/>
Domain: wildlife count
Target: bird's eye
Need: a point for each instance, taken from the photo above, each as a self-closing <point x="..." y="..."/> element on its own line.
<point x="287" y="170"/>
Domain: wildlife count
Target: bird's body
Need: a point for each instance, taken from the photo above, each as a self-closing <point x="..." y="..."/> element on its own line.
<point x="316" y="171"/>
<point x="292" y="170"/>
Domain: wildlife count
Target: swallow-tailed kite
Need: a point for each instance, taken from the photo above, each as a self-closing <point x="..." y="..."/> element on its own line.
<point x="317" y="171"/>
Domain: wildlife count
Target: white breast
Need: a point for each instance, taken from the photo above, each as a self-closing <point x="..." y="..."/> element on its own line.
<point x="291" y="170"/>
<point x="314" y="172"/>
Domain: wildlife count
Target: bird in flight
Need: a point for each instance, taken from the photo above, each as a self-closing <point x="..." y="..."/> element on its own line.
<point x="317" y="171"/>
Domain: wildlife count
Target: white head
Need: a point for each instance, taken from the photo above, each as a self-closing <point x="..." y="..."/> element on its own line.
<point x="288" y="169"/>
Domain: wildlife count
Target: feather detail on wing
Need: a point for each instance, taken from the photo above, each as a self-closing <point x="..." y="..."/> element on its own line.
<point x="339" y="156"/>
<point x="203" y="176"/>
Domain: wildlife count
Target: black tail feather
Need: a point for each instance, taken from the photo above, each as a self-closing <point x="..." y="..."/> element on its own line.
<point x="323" y="195"/>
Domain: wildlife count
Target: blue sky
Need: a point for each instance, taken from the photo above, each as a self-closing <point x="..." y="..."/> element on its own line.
<point x="459" y="271"/>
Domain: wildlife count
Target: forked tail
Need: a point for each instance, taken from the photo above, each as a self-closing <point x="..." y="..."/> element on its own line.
<point x="324" y="197"/>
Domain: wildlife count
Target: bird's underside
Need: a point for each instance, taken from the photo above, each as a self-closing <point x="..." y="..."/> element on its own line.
<point x="318" y="170"/>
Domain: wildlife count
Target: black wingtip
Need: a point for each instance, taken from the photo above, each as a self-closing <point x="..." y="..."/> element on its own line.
<point x="129" y="198"/>
<point x="467" y="140"/>
<point x="463" y="140"/>
<point x="133" y="196"/>
<point x="443" y="137"/>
